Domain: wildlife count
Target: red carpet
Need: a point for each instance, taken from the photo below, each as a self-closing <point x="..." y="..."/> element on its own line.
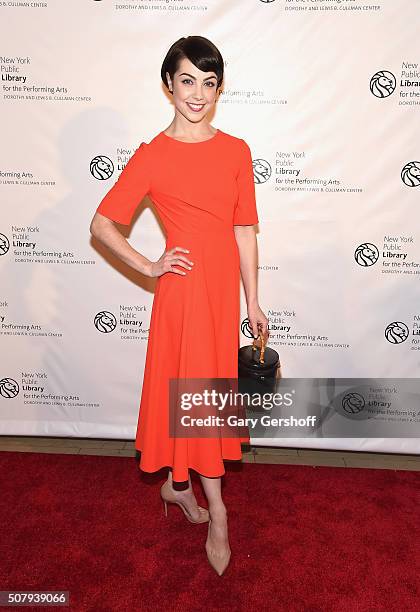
<point x="303" y="539"/>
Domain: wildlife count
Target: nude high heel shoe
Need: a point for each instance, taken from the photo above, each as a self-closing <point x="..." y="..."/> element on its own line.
<point x="167" y="498"/>
<point x="219" y="563"/>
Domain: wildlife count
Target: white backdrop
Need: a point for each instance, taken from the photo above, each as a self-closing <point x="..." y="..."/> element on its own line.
<point x="326" y="93"/>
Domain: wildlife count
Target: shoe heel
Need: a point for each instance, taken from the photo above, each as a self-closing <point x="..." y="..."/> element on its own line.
<point x="183" y="508"/>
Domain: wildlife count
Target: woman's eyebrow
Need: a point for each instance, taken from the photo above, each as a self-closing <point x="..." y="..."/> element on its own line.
<point x="193" y="77"/>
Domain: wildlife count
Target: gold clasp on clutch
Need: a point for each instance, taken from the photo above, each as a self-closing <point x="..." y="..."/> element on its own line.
<point x="262" y="349"/>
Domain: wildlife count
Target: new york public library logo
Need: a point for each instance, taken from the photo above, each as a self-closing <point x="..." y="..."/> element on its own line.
<point x="366" y="254"/>
<point x="101" y="167"/>
<point x="9" y="388"/>
<point x="396" y="332"/>
<point x="105" y="321"/>
<point x="246" y="329"/>
<point x="371" y="399"/>
<point x="410" y="174"/>
<point x="353" y="403"/>
<point x="4" y="244"/>
<point x="371" y="402"/>
<point x="383" y="84"/>
<point x="262" y="170"/>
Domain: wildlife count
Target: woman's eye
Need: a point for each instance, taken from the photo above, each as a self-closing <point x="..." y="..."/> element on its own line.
<point x="207" y="82"/>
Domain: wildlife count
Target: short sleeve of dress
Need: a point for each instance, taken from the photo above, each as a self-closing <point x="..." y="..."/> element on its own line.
<point x="245" y="212"/>
<point x="122" y="200"/>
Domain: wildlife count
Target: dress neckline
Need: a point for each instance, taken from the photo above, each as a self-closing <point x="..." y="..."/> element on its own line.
<point x="192" y="143"/>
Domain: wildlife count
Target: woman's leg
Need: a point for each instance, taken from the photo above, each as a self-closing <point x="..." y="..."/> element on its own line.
<point x="218" y="533"/>
<point x="184" y="492"/>
<point x="179" y="486"/>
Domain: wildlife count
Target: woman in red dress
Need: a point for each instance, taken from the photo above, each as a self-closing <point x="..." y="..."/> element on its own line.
<point x="201" y="182"/>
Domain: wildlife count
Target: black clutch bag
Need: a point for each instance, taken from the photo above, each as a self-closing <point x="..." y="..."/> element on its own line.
<point x="258" y="368"/>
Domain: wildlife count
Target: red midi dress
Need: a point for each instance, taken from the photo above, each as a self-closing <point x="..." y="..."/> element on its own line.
<point x="200" y="191"/>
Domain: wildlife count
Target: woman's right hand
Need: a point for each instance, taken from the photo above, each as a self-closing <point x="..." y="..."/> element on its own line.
<point x="169" y="259"/>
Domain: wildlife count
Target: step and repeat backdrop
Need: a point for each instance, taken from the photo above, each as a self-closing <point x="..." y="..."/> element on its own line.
<point x="327" y="95"/>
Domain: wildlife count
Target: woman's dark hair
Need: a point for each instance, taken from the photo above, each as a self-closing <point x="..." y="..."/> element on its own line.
<point x="200" y="51"/>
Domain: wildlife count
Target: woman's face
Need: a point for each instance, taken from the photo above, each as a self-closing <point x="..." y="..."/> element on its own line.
<point x="194" y="91"/>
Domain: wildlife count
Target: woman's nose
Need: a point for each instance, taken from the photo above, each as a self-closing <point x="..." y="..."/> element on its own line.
<point x="198" y="94"/>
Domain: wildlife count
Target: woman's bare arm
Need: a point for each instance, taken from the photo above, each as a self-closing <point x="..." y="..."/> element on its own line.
<point x="105" y="230"/>
<point x="247" y="245"/>
<point x="248" y="253"/>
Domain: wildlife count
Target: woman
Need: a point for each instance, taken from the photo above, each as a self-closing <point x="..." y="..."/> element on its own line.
<point x="201" y="182"/>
